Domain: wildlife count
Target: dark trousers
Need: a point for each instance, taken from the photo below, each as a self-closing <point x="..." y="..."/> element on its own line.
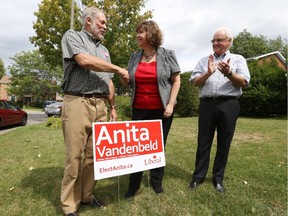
<point x="214" y="115"/>
<point x="157" y="174"/>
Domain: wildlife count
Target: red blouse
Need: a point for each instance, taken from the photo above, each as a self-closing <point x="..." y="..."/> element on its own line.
<point x="146" y="92"/>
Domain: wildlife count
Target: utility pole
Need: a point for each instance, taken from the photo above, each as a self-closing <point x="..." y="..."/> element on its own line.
<point x="72" y="15"/>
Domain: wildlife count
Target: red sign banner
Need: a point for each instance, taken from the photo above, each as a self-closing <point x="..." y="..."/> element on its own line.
<point x="126" y="147"/>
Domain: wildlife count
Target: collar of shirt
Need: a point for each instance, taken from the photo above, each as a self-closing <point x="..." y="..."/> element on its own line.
<point x="92" y="38"/>
<point x="222" y="56"/>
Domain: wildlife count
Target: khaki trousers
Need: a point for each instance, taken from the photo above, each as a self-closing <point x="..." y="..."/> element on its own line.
<point x="78" y="182"/>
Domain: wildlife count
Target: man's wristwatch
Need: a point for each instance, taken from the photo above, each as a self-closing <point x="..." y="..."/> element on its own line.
<point x="113" y="107"/>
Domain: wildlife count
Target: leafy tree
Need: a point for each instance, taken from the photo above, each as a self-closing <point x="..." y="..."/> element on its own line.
<point x="53" y="20"/>
<point x="250" y="45"/>
<point x="2" y="69"/>
<point x="30" y="75"/>
<point x="278" y="45"/>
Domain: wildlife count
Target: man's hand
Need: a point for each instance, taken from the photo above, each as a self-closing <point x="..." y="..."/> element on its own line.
<point x="211" y="65"/>
<point x="224" y="67"/>
<point x="124" y="75"/>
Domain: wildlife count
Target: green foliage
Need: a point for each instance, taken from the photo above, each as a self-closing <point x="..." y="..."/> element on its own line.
<point x="53" y="20"/>
<point x="188" y="98"/>
<point x="267" y="92"/>
<point x="249" y="45"/>
<point x="124" y="108"/>
<point x="30" y="75"/>
<point x="54" y="122"/>
<point x="280" y="45"/>
<point x="2" y="69"/>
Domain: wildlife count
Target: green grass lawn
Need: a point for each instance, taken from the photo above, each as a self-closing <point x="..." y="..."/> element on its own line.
<point x="32" y="166"/>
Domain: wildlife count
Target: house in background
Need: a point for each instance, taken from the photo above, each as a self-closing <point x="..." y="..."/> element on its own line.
<point x="27" y="99"/>
<point x="4" y="95"/>
<point x="4" y="82"/>
<point x="277" y="56"/>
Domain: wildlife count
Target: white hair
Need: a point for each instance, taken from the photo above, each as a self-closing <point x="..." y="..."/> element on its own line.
<point x="227" y="32"/>
<point x="90" y="12"/>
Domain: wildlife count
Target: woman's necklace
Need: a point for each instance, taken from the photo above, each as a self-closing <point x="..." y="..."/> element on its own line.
<point x="149" y="57"/>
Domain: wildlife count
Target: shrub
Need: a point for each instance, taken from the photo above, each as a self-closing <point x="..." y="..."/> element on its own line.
<point x="54" y="122"/>
<point x="266" y="94"/>
<point x="188" y="98"/>
<point x="124" y="108"/>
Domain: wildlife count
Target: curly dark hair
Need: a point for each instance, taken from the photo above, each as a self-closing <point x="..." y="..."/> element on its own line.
<point x="154" y="34"/>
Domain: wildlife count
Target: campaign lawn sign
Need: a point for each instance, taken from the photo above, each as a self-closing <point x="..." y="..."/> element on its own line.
<point x="125" y="147"/>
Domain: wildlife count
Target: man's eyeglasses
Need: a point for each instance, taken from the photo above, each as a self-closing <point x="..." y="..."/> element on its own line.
<point x="219" y="40"/>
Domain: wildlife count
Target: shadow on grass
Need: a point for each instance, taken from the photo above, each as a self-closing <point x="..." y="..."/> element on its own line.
<point x="176" y="172"/>
<point x="112" y="190"/>
<point x="46" y="182"/>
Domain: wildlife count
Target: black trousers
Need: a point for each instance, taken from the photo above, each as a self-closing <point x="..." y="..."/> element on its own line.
<point x="157" y="174"/>
<point x="220" y="115"/>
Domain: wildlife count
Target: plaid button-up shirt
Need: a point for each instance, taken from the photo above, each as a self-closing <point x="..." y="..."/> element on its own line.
<point x="76" y="78"/>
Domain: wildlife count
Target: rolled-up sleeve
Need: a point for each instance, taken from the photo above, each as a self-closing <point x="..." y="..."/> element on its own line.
<point x="201" y="67"/>
<point x="243" y="69"/>
<point x="72" y="45"/>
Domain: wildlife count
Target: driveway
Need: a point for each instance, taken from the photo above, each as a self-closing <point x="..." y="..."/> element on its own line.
<point x="34" y="117"/>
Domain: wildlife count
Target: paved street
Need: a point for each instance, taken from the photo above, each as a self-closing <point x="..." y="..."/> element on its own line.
<point x="34" y="117"/>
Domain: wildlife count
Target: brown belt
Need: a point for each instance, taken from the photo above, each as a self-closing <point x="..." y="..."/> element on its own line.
<point x="94" y="95"/>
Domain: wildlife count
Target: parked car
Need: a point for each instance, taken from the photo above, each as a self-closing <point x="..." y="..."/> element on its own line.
<point x="54" y="109"/>
<point x="11" y="114"/>
<point x="47" y="102"/>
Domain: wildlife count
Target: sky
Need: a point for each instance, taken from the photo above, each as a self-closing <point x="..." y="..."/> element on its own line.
<point x="187" y="25"/>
